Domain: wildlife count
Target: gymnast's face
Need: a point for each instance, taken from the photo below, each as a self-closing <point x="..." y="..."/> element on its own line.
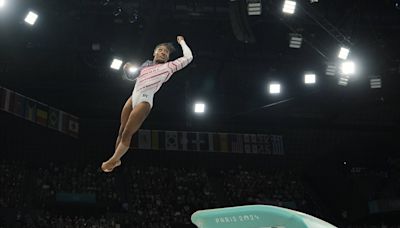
<point x="161" y="54"/>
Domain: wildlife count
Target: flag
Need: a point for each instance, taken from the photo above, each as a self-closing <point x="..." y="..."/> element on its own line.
<point x="203" y="142"/>
<point x="42" y="114"/>
<point x="4" y="98"/>
<point x="253" y="138"/>
<point x="277" y="144"/>
<point x="144" y="139"/>
<point x="236" y="143"/>
<point x="30" y="110"/>
<point x="223" y="139"/>
<point x="70" y="124"/>
<point x="171" y="140"/>
<point x="157" y="140"/>
<point x="193" y="143"/>
<point x="221" y="142"/>
<point x="54" y="119"/>
<point x="17" y="104"/>
<point x="246" y="138"/>
<point x="183" y="141"/>
<point x="247" y="148"/>
<point x="135" y="141"/>
<point x="211" y="142"/>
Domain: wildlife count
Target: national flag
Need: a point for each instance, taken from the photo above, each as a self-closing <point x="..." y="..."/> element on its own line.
<point x="157" y="140"/>
<point x="203" y="142"/>
<point x="221" y="142"/>
<point x="17" y="104"/>
<point x="42" y="114"/>
<point x="30" y="110"/>
<point x="135" y="140"/>
<point x="247" y="148"/>
<point x="171" y="140"/>
<point x="223" y="138"/>
<point x="54" y="119"/>
<point x="70" y="124"/>
<point x="4" y="98"/>
<point x="236" y="143"/>
<point x="277" y="144"/>
<point x="144" y="139"/>
<point x="193" y="143"/>
<point x="183" y="141"/>
<point x="211" y="142"/>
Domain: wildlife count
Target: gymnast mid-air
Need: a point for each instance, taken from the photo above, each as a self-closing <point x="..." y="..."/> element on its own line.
<point x="149" y="79"/>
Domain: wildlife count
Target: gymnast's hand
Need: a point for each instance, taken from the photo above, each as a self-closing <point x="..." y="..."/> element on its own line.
<point x="179" y="39"/>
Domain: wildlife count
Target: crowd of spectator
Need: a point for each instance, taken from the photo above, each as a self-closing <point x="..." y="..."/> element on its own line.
<point x="141" y="196"/>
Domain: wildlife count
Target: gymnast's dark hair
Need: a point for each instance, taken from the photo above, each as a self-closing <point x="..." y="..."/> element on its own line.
<point x="169" y="46"/>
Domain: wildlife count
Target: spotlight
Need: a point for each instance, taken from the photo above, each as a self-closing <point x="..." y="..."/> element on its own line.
<point x="274" y="88"/>
<point x="133" y="69"/>
<point x="343" y="80"/>
<point x="199" y="107"/>
<point x="289" y="7"/>
<point x="116" y="64"/>
<point x="254" y="7"/>
<point x="2" y="3"/>
<point x="348" y="68"/>
<point x="331" y="69"/>
<point x="375" y="82"/>
<point x="343" y="53"/>
<point x="31" y="18"/>
<point x="309" y="79"/>
<point x="295" y="40"/>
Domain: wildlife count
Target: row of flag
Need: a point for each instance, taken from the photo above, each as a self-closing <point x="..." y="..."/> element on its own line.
<point x="208" y="142"/>
<point x="38" y="112"/>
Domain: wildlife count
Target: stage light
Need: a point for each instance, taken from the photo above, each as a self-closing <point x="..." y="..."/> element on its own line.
<point x="116" y="64"/>
<point x="343" y="53"/>
<point x="309" y="78"/>
<point x="331" y="69"/>
<point x="133" y="69"/>
<point x="348" y="68"/>
<point x="295" y="40"/>
<point x="31" y="18"/>
<point x="343" y="80"/>
<point x="254" y="7"/>
<point x="274" y="88"/>
<point x="289" y="7"/>
<point x="199" y="107"/>
<point x="375" y="82"/>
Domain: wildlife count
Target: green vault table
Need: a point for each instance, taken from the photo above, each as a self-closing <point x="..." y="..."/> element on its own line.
<point x="256" y="216"/>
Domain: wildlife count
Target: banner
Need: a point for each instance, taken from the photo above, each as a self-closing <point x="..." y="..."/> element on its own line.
<point x="208" y="142"/>
<point x="37" y="112"/>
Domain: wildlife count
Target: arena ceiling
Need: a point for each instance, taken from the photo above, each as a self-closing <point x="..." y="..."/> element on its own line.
<point x="64" y="59"/>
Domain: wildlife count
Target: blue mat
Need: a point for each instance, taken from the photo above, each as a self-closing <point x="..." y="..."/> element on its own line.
<point x="256" y="216"/>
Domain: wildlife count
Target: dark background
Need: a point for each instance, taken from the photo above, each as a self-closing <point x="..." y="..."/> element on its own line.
<point x="323" y="125"/>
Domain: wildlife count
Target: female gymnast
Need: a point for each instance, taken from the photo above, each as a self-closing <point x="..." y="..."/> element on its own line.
<point x="149" y="79"/>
